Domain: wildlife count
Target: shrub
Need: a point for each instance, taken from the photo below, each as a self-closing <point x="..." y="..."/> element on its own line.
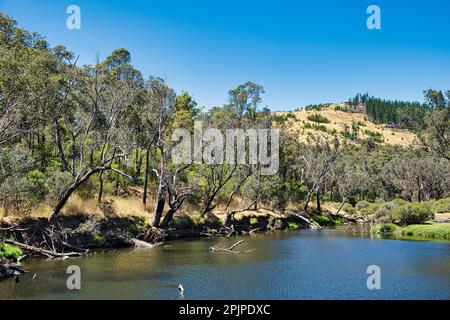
<point x="107" y="208"/>
<point x="339" y="108"/>
<point x="441" y="206"/>
<point x="383" y="215"/>
<point x="292" y="225"/>
<point x="348" y="208"/>
<point x="10" y="252"/>
<point x="384" y="228"/>
<point x="317" y="107"/>
<point x="318" y="118"/>
<point x="414" y="213"/>
<point x="139" y="226"/>
<point x="326" y="220"/>
<point x="279" y="119"/>
<point x="182" y="222"/>
<point x="388" y="228"/>
<point x="362" y="204"/>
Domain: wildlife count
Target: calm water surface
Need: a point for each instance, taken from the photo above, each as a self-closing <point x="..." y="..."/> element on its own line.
<point x="306" y="264"/>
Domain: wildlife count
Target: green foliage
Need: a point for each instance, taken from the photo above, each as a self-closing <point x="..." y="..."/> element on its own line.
<point x="341" y="108"/>
<point x="374" y="136"/>
<point x="317" y="107"/>
<point x="10" y="252"/>
<point x="324" y="220"/>
<point x="195" y="220"/>
<point x="37" y="183"/>
<point x="98" y="239"/>
<point x="279" y="119"/>
<point x="316" y="127"/>
<point x="138" y="226"/>
<point x="398" y="113"/>
<point x="349" y="209"/>
<point x="318" y="118"/>
<point x="293" y="226"/>
<point x="384" y="228"/>
<point x="440" y="206"/>
<point x="414" y="213"/>
<point x="436" y="231"/>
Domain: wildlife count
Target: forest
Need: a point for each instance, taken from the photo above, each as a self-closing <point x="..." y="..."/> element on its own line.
<point x="102" y="133"/>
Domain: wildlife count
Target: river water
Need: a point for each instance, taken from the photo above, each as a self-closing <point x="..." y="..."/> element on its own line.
<point x="305" y="264"/>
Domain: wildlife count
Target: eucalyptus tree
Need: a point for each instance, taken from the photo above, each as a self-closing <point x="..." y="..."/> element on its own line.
<point x="319" y="160"/>
<point x="351" y="176"/>
<point x="162" y="103"/>
<point x="435" y="136"/>
<point x="108" y="91"/>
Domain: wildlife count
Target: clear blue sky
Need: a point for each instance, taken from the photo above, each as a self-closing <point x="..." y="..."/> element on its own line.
<point x="302" y="52"/>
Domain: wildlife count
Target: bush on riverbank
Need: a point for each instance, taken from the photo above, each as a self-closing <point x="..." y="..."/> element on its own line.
<point x="10" y="252"/>
<point x="384" y="228"/>
<point x="195" y="220"/>
<point x="328" y="220"/>
<point x="293" y="225"/>
<point x="413" y="213"/>
<point x="399" y="211"/>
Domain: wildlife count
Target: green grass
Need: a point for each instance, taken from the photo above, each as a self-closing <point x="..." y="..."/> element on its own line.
<point x="99" y="239"/>
<point x="323" y="220"/>
<point x="436" y="230"/>
<point x="429" y="230"/>
<point x="10" y="252"/>
<point x="293" y="226"/>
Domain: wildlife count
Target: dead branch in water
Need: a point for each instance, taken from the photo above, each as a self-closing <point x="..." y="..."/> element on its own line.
<point x="10" y="269"/>
<point x="48" y="253"/>
<point x="231" y="249"/>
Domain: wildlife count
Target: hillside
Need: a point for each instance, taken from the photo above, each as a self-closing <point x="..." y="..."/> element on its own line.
<point x="329" y="121"/>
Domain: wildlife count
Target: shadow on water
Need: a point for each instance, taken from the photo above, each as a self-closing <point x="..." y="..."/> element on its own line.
<point x="305" y="264"/>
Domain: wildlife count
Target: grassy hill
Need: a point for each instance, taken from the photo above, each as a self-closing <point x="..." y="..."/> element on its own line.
<point x="334" y="120"/>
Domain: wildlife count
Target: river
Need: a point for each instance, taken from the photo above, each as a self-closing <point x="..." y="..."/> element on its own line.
<point x="304" y="264"/>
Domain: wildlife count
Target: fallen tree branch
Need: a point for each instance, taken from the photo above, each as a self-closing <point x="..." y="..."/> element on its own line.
<point x="45" y="252"/>
<point x="235" y="245"/>
<point x="10" y="269"/>
<point x="230" y="249"/>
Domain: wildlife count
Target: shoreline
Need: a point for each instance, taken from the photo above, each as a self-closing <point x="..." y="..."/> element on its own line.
<point x="71" y="236"/>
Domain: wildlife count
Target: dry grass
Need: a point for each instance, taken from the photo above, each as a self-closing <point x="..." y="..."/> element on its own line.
<point x="338" y="119"/>
<point x="76" y="206"/>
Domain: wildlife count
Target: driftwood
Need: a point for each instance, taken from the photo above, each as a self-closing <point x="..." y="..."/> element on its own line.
<point x="139" y="244"/>
<point x="48" y="253"/>
<point x="10" y="269"/>
<point x="230" y="249"/>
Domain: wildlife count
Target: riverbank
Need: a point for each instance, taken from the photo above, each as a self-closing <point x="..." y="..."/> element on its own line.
<point x="68" y="236"/>
<point x="438" y="231"/>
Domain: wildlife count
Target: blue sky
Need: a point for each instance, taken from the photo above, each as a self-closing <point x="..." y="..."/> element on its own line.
<point x="302" y="52"/>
